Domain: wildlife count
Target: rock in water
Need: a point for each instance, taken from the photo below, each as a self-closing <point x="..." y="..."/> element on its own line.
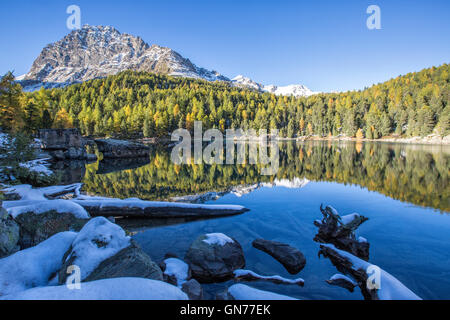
<point x="343" y="282"/>
<point x="9" y="234"/>
<point x="214" y="257"/>
<point x="36" y="228"/>
<point x="65" y="144"/>
<point x="291" y="258"/>
<point x="131" y="262"/>
<point x="102" y="250"/>
<point x="193" y="289"/>
<point x="112" y="148"/>
<point x="340" y="231"/>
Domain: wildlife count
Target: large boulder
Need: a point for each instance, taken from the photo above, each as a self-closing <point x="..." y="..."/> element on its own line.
<point x="9" y="234"/>
<point x="214" y="257"/>
<point x="61" y="139"/>
<point x="112" y="148"/>
<point x="102" y="250"/>
<point x="291" y="258"/>
<point x="131" y="262"/>
<point x="36" y="228"/>
<point x="65" y="144"/>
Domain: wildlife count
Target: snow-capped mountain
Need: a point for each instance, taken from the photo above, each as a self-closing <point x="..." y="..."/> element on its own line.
<point x="296" y="90"/>
<point x="95" y="52"/>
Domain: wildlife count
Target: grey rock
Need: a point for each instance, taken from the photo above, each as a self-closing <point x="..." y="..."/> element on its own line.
<point x="64" y="144"/>
<point x="9" y="234"/>
<point x="193" y="289"/>
<point x="131" y="262"/>
<point x="291" y="258"/>
<point x="112" y="148"/>
<point x="343" y="283"/>
<point x="213" y="262"/>
<point x="35" y="228"/>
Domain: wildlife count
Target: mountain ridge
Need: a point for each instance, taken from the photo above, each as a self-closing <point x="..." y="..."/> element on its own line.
<point x="98" y="51"/>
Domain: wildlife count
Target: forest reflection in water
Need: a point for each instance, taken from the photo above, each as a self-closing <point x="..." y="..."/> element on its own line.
<point x="417" y="174"/>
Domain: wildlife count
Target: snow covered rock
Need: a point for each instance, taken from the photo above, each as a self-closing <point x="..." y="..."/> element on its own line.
<point x="340" y="231"/>
<point x="102" y="251"/>
<point x="291" y="258"/>
<point x="9" y="234"/>
<point x="35" y="266"/>
<point x="130" y="262"/>
<point x="175" y="271"/>
<point x="39" y="218"/>
<point x="387" y="288"/>
<point x="109" y="289"/>
<point x="244" y="292"/>
<point x="248" y="275"/>
<point x="343" y="282"/>
<point x="97" y="241"/>
<point x="214" y="257"/>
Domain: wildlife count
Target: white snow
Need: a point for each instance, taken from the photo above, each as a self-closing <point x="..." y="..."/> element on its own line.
<point x="178" y="269"/>
<point x="362" y="240"/>
<point x="349" y="218"/>
<point x="244" y="292"/>
<point x="27" y="192"/>
<point x="142" y="204"/>
<point x="4" y="140"/>
<point x="342" y="277"/>
<point x="390" y="287"/>
<point x="97" y="241"/>
<point x="109" y="289"/>
<point x="217" y="239"/>
<point x="40" y="166"/>
<point x="16" y="208"/>
<point x="241" y="273"/>
<point x="33" y="267"/>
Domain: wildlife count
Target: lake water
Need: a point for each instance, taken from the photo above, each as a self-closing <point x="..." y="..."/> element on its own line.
<point x="402" y="189"/>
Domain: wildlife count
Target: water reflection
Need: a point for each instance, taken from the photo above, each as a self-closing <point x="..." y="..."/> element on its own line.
<point x="417" y="174"/>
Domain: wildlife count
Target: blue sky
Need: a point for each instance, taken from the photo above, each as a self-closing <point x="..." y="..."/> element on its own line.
<point x="322" y="44"/>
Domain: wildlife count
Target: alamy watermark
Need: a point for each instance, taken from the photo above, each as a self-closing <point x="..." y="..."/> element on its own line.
<point x="73" y="281"/>
<point x="374" y="20"/>
<point x="374" y="277"/>
<point x="231" y="149"/>
<point x="74" y="20"/>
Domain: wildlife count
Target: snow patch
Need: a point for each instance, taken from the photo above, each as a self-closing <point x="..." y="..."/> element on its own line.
<point x="217" y="239"/>
<point x="33" y="267"/>
<point x="178" y="269"/>
<point x="243" y="292"/>
<point x="109" y="289"/>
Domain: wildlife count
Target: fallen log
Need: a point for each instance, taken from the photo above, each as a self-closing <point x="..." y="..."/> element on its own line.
<point x="135" y="208"/>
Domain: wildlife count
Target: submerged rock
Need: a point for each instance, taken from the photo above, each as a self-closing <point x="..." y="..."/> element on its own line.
<point x="291" y="258"/>
<point x="36" y="228"/>
<point x="9" y="234"/>
<point x="112" y="148"/>
<point x="214" y="258"/>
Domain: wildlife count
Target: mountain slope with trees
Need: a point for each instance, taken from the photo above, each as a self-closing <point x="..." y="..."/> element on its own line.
<point x="153" y="105"/>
